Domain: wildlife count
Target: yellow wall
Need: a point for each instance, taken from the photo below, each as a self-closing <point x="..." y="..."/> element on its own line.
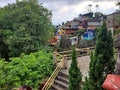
<point x="61" y="32"/>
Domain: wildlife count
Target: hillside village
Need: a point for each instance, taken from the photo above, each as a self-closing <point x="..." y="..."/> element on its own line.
<point x="86" y="23"/>
<point x="79" y="54"/>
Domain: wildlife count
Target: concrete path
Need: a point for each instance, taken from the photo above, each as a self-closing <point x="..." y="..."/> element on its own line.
<point x="83" y="64"/>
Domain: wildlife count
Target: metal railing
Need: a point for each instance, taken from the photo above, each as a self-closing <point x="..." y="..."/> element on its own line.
<point x="78" y="50"/>
<point x="60" y="65"/>
<point x="50" y="81"/>
<point x="53" y="76"/>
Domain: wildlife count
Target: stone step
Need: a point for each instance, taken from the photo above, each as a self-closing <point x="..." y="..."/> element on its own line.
<point x="63" y="73"/>
<point x="62" y="79"/>
<point x="57" y="87"/>
<point x="60" y="84"/>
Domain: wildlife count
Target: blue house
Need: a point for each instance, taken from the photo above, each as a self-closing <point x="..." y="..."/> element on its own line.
<point x="88" y="35"/>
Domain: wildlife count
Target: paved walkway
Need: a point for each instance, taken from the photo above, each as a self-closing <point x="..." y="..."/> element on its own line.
<point x="83" y="64"/>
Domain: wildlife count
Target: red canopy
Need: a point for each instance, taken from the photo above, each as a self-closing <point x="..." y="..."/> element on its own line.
<point x="112" y="82"/>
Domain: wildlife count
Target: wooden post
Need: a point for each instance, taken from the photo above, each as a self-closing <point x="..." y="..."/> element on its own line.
<point x="65" y="62"/>
<point x="88" y="51"/>
<point x="54" y="57"/>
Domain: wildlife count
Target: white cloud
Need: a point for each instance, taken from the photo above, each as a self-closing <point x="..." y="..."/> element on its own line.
<point x="68" y="12"/>
<point x="5" y="2"/>
<point x="64" y="10"/>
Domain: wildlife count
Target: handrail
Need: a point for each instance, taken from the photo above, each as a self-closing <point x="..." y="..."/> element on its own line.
<point x="80" y="55"/>
<point x="50" y="81"/>
<point x="60" y="65"/>
<point x="53" y="76"/>
<point x="77" y="49"/>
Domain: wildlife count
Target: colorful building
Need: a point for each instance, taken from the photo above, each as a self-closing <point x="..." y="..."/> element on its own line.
<point x="88" y="35"/>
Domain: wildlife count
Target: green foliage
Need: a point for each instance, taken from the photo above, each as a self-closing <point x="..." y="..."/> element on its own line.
<point x="65" y="42"/>
<point x="4" y="49"/>
<point x="75" y="76"/>
<point x="102" y="61"/>
<point x="96" y="32"/>
<point x="25" y="70"/>
<point x="80" y="32"/>
<point x="86" y="84"/>
<point x="25" y="26"/>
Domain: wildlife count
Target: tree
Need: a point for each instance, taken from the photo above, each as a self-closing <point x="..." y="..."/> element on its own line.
<point x="65" y="42"/>
<point x="102" y="61"/>
<point x="25" y="70"/>
<point x="86" y="84"/>
<point x="75" y="76"/>
<point x="4" y="51"/>
<point x="26" y="26"/>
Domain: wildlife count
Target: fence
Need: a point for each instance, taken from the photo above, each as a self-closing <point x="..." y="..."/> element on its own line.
<point x="63" y="63"/>
<point x="53" y="76"/>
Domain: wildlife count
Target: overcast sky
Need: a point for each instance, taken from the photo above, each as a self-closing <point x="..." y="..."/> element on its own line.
<point x="66" y="10"/>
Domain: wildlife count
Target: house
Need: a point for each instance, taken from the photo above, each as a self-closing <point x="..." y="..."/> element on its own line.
<point x="94" y="23"/>
<point x="75" y="22"/>
<point x="85" y="16"/>
<point x="112" y="21"/>
<point x="71" y="30"/>
<point x="83" y="21"/>
<point x="61" y="32"/>
<point x="53" y="41"/>
<point x="74" y="40"/>
<point x="68" y="24"/>
<point x="88" y="35"/>
<point x="81" y="27"/>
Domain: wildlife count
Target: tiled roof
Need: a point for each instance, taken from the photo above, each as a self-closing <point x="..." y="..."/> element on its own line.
<point x="112" y="82"/>
<point x="53" y="41"/>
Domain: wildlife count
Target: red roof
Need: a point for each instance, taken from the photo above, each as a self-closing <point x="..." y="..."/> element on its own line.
<point x="53" y="41"/>
<point x="112" y="82"/>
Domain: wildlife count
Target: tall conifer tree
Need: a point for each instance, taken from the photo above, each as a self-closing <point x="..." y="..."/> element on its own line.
<point x="75" y="76"/>
<point x="102" y="61"/>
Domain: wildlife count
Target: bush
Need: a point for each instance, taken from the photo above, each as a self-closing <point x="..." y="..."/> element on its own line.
<point x="25" y="70"/>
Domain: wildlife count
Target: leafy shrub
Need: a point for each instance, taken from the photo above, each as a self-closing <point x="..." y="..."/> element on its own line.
<point x="25" y="70"/>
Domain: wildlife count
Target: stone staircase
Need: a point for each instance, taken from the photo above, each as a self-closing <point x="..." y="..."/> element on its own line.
<point x="61" y="81"/>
